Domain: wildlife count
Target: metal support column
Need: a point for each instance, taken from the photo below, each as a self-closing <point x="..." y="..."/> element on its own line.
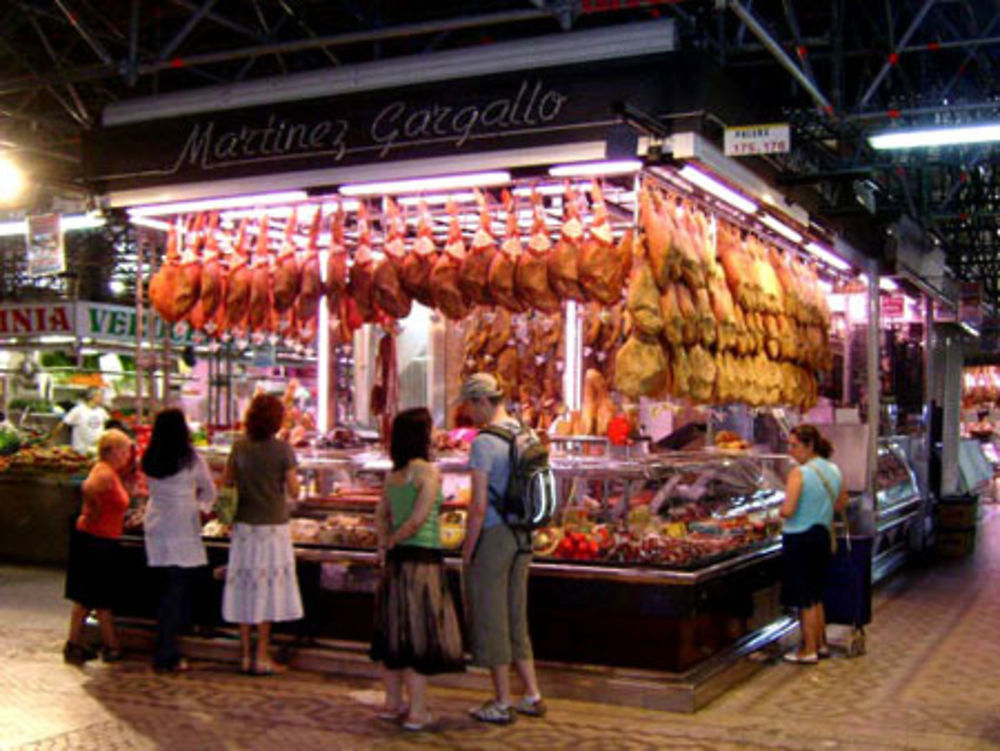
<point x="874" y="381"/>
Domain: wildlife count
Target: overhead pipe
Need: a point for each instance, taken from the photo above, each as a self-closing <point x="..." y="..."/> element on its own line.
<point x="884" y="71"/>
<point x="783" y="58"/>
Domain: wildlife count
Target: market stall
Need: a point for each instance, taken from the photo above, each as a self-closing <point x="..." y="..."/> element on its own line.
<point x="424" y="237"/>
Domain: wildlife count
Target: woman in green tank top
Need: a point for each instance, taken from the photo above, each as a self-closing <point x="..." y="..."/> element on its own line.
<point x="416" y="626"/>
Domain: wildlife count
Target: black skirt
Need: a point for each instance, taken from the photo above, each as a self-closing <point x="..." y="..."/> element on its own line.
<point x="805" y="563"/>
<point x="94" y="570"/>
<point x="416" y="625"/>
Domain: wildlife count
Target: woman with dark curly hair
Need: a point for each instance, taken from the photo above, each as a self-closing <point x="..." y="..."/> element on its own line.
<point x="416" y="628"/>
<point x="261" y="584"/>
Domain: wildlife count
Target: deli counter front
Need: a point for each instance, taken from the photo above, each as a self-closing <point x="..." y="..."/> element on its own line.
<point x="667" y="565"/>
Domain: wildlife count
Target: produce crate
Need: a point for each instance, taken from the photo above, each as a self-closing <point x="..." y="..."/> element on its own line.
<point x="955" y="543"/>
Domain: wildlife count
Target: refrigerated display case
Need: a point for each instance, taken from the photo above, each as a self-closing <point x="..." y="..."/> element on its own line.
<point x="668" y="565"/>
<point x="899" y="505"/>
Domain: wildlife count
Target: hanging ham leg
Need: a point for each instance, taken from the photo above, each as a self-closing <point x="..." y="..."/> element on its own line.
<point x="260" y="282"/>
<point x="448" y="296"/>
<point x="211" y="275"/>
<point x="287" y="272"/>
<point x="336" y="265"/>
<point x="532" y="271"/>
<point x="164" y="283"/>
<point x="360" y="285"/>
<point x="503" y="268"/>
<point x="387" y="291"/>
<point x="603" y="266"/>
<point x="189" y="279"/>
<point x="238" y="284"/>
<point x="415" y="274"/>
<point x="564" y="260"/>
<point x="474" y="278"/>
<point x="307" y="303"/>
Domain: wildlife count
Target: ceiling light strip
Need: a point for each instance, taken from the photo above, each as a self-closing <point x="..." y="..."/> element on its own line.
<point x="908" y="139"/>
<point x="782" y="229"/>
<point x="717" y="189"/>
<point x="212" y="204"/>
<point x="427" y="184"/>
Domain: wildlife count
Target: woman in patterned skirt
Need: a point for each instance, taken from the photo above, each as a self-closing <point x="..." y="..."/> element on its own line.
<point x="416" y="628"/>
<point x="261" y="584"/>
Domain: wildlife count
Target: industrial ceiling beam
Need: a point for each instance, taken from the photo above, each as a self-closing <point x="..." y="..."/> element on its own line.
<point x="91" y="40"/>
<point x="891" y="60"/>
<point x="786" y="62"/>
<point x="84" y="118"/>
<point x="97" y="72"/>
<point x="223" y="21"/>
<point x="972" y="53"/>
<point x="193" y="20"/>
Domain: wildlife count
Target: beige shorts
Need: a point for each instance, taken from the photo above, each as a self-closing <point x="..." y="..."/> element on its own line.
<point x="496" y="584"/>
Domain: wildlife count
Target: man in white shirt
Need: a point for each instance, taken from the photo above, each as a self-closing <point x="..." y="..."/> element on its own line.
<point x="86" y="420"/>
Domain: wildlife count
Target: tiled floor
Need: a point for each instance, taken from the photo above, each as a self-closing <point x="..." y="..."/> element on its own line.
<point x="931" y="680"/>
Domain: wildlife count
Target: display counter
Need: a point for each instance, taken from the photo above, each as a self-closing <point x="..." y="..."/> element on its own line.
<point x="900" y="506"/>
<point x="683" y="577"/>
<point x="36" y="512"/>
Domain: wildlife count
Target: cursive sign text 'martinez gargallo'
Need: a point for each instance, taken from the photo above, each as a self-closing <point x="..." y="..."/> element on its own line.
<point x="396" y="125"/>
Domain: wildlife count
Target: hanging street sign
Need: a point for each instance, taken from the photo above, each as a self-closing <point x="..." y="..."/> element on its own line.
<point x="44" y="241"/>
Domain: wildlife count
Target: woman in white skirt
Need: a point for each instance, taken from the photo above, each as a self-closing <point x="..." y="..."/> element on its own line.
<point x="261" y="585"/>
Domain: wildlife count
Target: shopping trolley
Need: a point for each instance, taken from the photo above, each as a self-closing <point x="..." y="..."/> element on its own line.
<point x="847" y="598"/>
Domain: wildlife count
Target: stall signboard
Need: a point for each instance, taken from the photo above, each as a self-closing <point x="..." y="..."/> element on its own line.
<point x="893" y="307"/>
<point x="530" y="108"/>
<point x="944" y="312"/>
<point x="105" y="322"/>
<point x="37" y="319"/>
<point x="44" y="241"/>
<point x="756" y="140"/>
<point x="87" y="320"/>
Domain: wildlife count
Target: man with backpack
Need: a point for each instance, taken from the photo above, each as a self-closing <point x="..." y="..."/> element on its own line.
<point x="496" y="556"/>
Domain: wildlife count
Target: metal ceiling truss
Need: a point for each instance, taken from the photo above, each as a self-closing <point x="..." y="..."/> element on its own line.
<point x="835" y="69"/>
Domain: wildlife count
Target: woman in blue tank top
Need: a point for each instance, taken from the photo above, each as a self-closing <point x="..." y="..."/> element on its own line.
<point x="416" y="625"/>
<point x="814" y="490"/>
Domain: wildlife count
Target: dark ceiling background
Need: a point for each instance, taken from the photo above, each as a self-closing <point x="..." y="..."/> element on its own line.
<point x="851" y="67"/>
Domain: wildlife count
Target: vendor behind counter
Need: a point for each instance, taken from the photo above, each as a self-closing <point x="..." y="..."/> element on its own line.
<point x="86" y="421"/>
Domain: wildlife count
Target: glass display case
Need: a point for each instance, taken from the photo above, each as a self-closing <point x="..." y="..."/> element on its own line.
<point x="895" y="481"/>
<point x="682" y="511"/>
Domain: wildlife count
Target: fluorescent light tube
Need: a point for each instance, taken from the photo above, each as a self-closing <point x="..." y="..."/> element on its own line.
<point x="717" y="189"/>
<point x="426" y="184"/>
<point x="887" y="285"/>
<point x="211" y="204"/>
<point x="145" y="221"/>
<point x="438" y="199"/>
<point x="827" y="256"/>
<point x="908" y="139"/>
<point x="783" y="230"/>
<point x="606" y="167"/>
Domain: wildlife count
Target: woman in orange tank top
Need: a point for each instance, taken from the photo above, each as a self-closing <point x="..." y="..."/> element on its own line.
<point x="93" y="555"/>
